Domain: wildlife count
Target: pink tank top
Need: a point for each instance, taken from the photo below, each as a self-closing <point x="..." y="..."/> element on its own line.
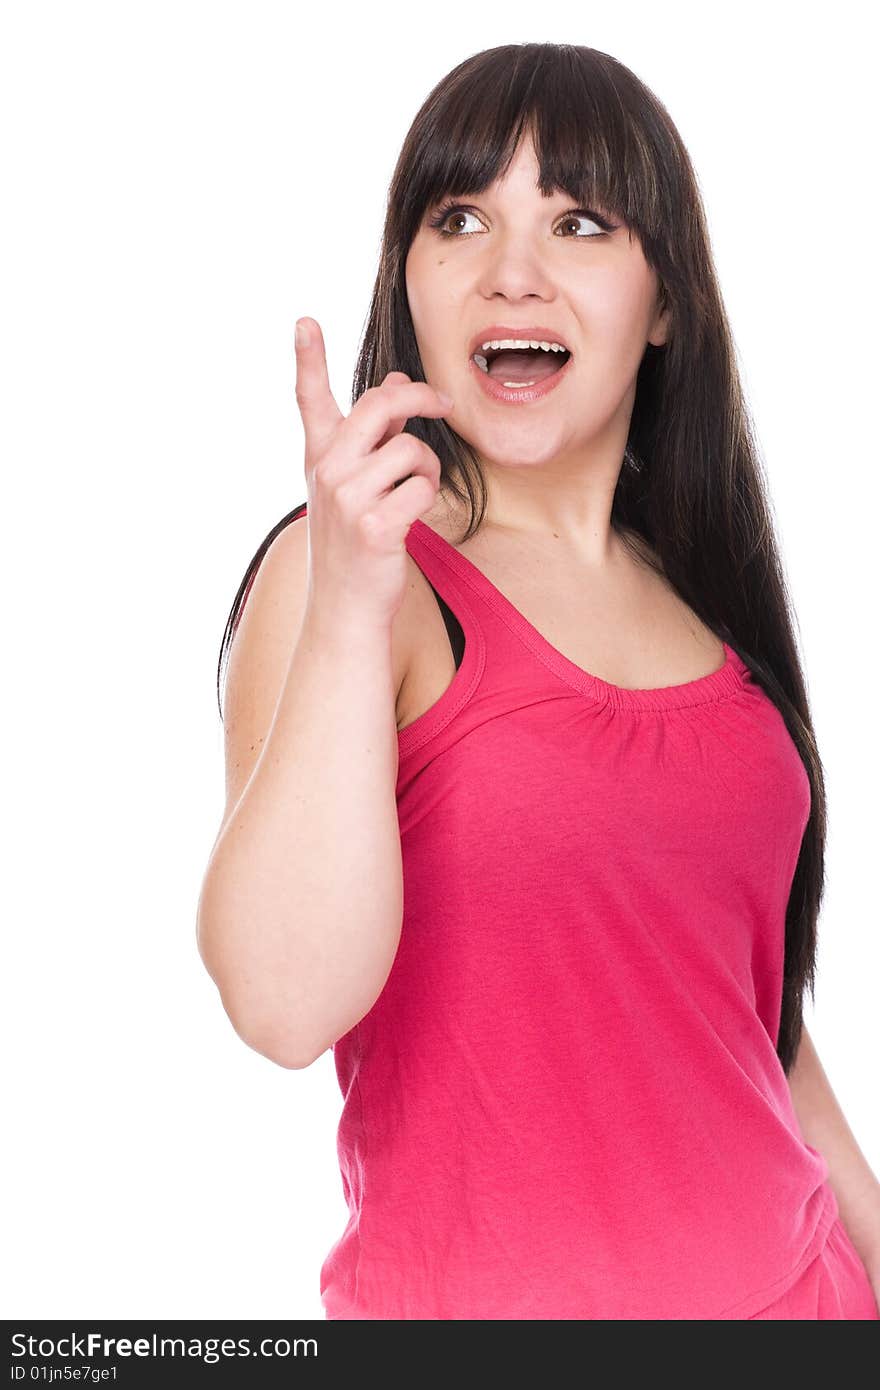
<point x="566" y="1103"/>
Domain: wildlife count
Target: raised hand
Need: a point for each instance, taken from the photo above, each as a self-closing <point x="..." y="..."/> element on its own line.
<point x="357" y="518"/>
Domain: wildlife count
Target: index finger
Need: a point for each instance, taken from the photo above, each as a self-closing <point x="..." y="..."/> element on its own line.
<point x="319" y="411"/>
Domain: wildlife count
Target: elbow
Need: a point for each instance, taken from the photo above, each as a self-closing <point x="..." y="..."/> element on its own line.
<point x="278" y="1044"/>
<point x="279" y="1051"/>
<point x="254" y="1027"/>
<point x="255" y="1021"/>
<point x="257" y="1030"/>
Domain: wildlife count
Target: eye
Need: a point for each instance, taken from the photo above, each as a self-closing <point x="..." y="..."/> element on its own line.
<point x="588" y="217"/>
<point x="445" y="212"/>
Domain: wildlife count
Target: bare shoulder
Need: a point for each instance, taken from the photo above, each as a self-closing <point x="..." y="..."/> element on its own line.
<point x="269" y="619"/>
<point x="263" y="643"/>
<point x="260" y="651"/>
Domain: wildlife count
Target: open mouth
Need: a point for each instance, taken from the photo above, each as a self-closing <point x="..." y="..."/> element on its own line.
<point x="521" y="366"/>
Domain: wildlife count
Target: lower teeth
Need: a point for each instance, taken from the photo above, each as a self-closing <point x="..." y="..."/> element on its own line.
<point x="511" y="385"/>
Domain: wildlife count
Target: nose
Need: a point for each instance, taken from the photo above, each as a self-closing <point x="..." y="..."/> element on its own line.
<point x="515" y="271"/>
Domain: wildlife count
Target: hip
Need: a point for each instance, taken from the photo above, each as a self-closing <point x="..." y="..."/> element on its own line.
<point x="834" y="1286"/>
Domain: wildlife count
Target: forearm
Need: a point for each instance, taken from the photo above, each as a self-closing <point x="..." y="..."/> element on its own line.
<point x="824" y="1126"/>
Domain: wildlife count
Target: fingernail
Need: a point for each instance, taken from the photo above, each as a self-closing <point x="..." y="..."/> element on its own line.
<point x="301" y="335"/>
<point x="444" y="399"/>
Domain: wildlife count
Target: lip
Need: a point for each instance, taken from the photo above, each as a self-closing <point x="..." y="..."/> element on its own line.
<point x="522" y="395"/>
<point x="506" y="330"/>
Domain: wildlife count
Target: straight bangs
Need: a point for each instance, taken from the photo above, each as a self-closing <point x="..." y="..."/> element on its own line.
<point x="591" y="143"/>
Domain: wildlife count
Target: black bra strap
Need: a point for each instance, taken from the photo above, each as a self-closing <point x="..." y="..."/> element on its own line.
<point x="453" y="628"/>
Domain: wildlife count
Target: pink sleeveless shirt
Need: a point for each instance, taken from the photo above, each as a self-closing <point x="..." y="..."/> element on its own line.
<point x="566" y="1102"/>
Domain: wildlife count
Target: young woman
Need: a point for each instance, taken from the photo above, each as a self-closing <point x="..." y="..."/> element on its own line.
<point x="525" y="814"/>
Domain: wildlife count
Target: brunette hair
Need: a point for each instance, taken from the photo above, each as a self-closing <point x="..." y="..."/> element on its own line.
<point x="692" y="483"/>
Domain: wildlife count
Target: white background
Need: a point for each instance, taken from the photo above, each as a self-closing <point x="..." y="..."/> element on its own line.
<point x="181" y="182"/>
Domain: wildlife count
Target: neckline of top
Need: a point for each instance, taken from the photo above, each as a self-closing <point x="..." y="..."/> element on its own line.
<point x="726" y="680"/>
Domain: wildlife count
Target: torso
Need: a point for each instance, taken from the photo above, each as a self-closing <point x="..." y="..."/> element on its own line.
<point x="624" y="622"/>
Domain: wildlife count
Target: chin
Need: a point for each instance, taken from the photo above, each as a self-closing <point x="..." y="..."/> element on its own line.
<point x="516" y="444"/>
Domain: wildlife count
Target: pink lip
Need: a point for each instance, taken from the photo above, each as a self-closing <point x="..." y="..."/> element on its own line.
<point x="518" y="396"/>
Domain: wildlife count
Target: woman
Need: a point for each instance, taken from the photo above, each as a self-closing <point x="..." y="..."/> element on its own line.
<point x="557" y="925"/>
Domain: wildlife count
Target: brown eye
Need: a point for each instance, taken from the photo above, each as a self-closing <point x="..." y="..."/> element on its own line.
<point x="571" y="218"/>
<point x="447" y="211"/>
<point x="445" y="214"/>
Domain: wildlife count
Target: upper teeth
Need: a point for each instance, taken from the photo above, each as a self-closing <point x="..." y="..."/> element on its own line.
<point x="522" y="343"/>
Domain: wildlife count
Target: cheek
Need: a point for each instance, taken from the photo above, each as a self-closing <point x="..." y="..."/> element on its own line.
<point x="417" y="282"/>
<point x="435" y="312"/>
<point x="618" y="318"/>
<point x="423" y="294"/>
<point x="614" y="301"/>
<point x="410" y="285"/>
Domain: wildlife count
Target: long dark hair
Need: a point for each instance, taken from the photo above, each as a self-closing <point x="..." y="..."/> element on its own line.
<point x="692" y="483"/>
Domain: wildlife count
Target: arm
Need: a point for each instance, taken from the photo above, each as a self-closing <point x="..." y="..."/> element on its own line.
<point x="824" y="1126"/>
<point x="301" y="906"/>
